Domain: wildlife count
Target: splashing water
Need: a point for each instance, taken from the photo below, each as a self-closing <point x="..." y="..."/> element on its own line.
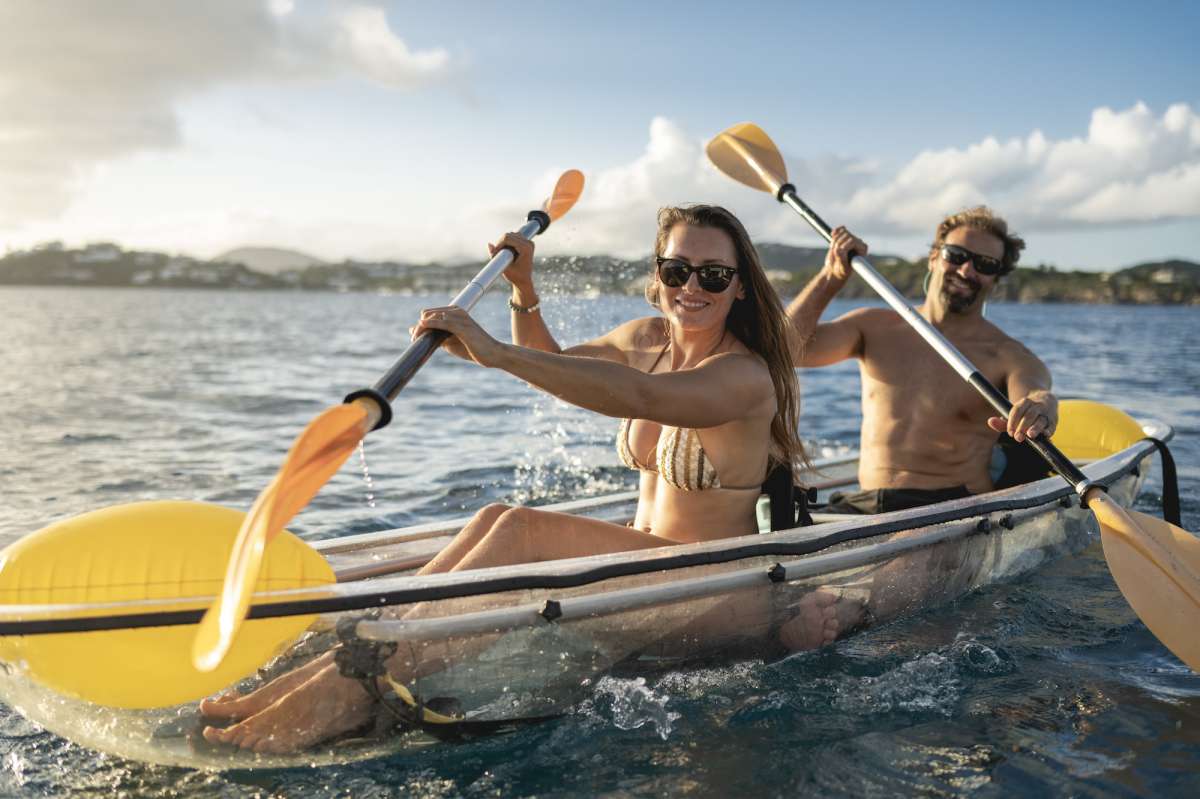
<point x="634" y="705"/>
<point x="366" y="473"/>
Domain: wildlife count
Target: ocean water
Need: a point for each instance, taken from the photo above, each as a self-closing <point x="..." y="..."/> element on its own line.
<point x="1048" y="685"/>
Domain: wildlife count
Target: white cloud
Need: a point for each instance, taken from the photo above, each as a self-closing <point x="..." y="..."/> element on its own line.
<point x="617" y="212"/>
<point x="1131" y="167"/>
<point x="82" y="84"/>
<point x="365" y="40"/>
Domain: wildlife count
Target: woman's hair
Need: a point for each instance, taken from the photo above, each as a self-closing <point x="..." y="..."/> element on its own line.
<point x="982" y="218"/>
<point x="758" y="320"/>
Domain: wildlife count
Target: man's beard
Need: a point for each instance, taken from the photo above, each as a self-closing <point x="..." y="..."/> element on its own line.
<point x="956" y="302"/>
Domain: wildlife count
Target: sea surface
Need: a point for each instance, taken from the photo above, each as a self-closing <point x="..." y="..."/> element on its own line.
<point x="1046" y="686"/>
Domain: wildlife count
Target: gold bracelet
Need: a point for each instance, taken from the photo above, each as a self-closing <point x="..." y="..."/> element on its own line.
<point x="519" y="309"/>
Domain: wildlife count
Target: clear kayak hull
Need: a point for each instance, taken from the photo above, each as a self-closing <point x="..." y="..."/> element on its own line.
<point x="498" y="646"/>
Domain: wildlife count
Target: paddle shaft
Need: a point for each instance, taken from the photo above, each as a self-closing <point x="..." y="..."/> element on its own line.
<point x="1059" y="462"/>
<point x="424" y="345"/>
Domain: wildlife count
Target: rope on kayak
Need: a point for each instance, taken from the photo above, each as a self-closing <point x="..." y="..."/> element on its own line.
<point x="1170" y="493"/>
<point x="442" y="717"/>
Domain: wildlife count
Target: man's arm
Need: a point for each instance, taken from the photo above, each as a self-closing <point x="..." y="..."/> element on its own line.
<point x="1035" y="409"/>
<point x="814" y="344"/>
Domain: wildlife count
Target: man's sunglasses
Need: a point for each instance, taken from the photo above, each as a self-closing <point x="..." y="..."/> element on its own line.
<point x="713" y="278"/>
<point x="984" y="265"/>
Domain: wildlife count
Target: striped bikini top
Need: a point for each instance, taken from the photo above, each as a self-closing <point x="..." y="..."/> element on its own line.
<point x="679" y="457"/>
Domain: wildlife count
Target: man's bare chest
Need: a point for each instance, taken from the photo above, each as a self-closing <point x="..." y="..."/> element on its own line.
<point x="899" y="366"/>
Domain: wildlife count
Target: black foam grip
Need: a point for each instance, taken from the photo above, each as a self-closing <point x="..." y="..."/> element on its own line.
<point x="542" y="218"/>
<point x="385" y="407"/>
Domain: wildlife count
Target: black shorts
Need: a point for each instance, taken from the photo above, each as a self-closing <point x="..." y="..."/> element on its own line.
<point x="883" y="500"/>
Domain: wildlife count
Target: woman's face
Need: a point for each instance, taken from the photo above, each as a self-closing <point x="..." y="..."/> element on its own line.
<point x="689" y="307"/>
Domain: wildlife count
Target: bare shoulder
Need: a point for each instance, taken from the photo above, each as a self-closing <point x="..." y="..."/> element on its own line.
<point x="1020" y="362"/>
<point x="871" y="318"/>
<point x="873" y="322"/>
<point x="1010" y="348"/>
<point x="744" y="367"/>
<point x="639" y="334"/>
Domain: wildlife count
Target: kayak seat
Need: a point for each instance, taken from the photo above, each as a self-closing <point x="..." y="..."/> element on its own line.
<point x="1022" y="464"/>
<point x="789" y="502"/>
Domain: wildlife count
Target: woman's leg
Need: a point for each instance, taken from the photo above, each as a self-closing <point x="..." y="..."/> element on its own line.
<point x="309" y="711"/>
<point x="237" y="706"/>
<point x="466" y="540"/>
<point x="232" y="705"/>
<point x="325" y="705"/>
<point x="529" y="535"/>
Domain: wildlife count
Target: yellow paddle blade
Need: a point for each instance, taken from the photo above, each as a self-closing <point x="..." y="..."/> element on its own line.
<point x="566" y="192"/>
<point x="144" y="551"/>
<point x="1092" y="430"/>
<point x="317" y="454"/>
<point x="747" y="154"/>
<point x="1157" y="567"/>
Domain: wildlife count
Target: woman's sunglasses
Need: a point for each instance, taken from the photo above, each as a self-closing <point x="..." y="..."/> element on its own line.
<point x="713" y="278"/>
<point x="984" y="265"/>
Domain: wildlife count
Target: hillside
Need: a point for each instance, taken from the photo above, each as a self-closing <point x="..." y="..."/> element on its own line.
<point x="269" y="260"/>
<point x="1173" y="282"/>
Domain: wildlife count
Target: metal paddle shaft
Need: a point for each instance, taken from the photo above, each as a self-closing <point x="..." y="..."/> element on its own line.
<point x="966" y="370"/>
<point x="423" y="347"/>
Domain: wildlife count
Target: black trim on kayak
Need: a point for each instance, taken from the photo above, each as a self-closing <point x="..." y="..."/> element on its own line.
<point x="1170" y="481"/>
<point x="404" y="596"/>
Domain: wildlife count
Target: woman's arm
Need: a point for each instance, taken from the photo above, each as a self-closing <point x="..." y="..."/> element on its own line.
<point x="721" y="389"/>
<point x="528" y="326"/>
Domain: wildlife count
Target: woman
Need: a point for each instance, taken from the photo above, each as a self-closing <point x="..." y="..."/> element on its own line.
<point x="709" y="401"/>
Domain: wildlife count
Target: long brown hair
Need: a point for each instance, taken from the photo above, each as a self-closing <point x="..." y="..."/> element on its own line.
<point x="757" y="320"/>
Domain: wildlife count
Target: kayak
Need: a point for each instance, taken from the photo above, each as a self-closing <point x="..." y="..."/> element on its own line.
<point x="527" y="642"/>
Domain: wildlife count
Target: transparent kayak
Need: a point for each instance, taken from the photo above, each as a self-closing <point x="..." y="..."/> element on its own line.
<point x="489" y="648"/>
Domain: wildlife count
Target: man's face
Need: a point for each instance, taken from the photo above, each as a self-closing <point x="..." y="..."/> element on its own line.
<point x="961" y="287"/>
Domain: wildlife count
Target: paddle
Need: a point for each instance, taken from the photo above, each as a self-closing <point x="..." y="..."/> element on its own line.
<point x="1155" y="564"/>
<point x="334" y="435"/>
<point x="100" y="564"/>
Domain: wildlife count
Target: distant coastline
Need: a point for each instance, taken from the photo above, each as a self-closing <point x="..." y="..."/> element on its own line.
<point x="104" y="264"/>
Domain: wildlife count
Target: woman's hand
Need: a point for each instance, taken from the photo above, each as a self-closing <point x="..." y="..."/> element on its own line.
<point x="520" y="272"/>
<point x="842" y="247"/>
<point x="467" y="339"/>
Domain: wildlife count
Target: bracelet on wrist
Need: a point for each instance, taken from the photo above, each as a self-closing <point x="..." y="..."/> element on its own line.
<point x="523" y="309"/>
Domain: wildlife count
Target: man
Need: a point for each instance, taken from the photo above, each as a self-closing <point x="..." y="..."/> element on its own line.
<point x="927" y="436"/>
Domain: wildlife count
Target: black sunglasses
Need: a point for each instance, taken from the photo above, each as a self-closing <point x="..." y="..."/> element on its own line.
<point x="713" y="278"/>
<point x="984" y="264"/>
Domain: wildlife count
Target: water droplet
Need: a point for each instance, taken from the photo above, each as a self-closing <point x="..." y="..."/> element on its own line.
<point x="366" y="473"/>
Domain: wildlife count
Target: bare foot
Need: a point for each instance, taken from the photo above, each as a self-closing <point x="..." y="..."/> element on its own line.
<point x="233" y="705"/>
<point x="820" y="618"/>
<point x="326" y="705"/>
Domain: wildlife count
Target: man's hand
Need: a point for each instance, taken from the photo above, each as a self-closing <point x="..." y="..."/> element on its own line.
<point x="1035" y="414"/>
<point x="842" y="247"/>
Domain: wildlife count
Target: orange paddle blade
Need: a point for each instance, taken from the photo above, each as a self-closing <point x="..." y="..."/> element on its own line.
<point x="315" y="456"/>
<point x="566" y="192"/>
<point x="1157" y="567"/>
<point x="746" y="153"/>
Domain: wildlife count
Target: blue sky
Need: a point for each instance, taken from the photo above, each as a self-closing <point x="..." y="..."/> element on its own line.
<point x="421" y="130"/>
